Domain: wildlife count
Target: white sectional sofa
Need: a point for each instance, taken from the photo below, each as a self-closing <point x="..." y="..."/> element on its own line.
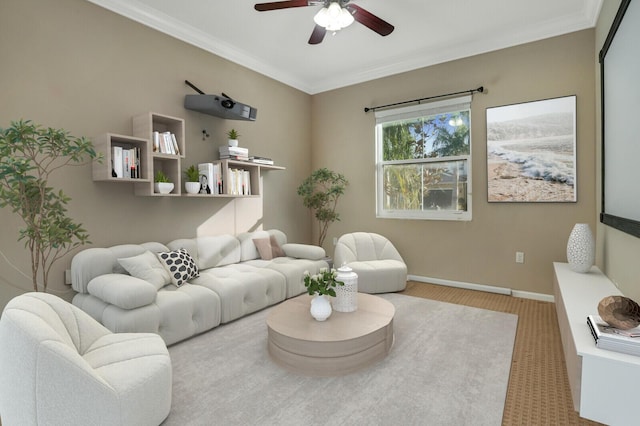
<point x="127" y="289"/>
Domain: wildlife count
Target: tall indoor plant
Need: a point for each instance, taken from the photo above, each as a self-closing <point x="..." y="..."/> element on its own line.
<point x="29" y="154"/>
<point x="320" y="192"/>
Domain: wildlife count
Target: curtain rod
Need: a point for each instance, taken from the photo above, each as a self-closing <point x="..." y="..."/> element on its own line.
<point x="471" y="91"/>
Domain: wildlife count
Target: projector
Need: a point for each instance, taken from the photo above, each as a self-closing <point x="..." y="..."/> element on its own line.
<point x="220" y="106"/>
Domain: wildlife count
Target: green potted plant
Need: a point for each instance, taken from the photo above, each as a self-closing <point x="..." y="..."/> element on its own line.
<point x="320" y="193"/>
<point x="29" y="154"/>
<point x="162" y="184"/>
<point x="192" y="184"/>
<point x="233" y="136"/>
<point x="321" y="285"/>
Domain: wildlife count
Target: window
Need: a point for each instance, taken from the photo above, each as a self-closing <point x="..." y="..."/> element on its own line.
<point x="423" y="161"/>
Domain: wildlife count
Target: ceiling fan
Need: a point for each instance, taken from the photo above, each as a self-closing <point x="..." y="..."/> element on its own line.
<point x="334" y="15"/>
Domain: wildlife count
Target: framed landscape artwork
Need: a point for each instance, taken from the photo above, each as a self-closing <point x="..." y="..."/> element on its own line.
<point x="531" y="151"/>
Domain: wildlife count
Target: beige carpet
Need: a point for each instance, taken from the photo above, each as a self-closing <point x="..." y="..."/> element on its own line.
<point x="449" y="365"/>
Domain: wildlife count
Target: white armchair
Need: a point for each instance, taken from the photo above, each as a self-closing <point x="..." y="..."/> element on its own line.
<point x="58" y="366"/>
<point x="374" y="258"/>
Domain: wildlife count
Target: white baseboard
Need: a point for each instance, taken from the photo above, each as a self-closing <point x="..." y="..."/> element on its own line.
<point x="535" y="296"/>
<point x="483" y="287"/>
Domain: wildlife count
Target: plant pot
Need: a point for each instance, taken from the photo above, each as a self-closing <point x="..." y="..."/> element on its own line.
<point x="192" y="187"/>
<point x="233" y="142"/>
<point x="320" y="308"/>
<point x="163" y="187"/>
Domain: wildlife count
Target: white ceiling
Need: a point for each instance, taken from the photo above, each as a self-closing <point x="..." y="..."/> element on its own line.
<point x="426" y="32"/>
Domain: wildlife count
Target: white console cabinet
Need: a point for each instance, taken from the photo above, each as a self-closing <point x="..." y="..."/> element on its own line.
<point x="604" y="384"/>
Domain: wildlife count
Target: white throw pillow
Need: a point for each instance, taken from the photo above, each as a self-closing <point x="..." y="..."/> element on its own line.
<point x="146" y="266"/>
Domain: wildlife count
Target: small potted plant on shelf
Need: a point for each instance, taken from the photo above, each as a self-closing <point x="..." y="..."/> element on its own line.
<point x="192" y="184"/>
<point x="321" y="285"/>
<point x="233" y="137"/>
<point x="162" y="184"/>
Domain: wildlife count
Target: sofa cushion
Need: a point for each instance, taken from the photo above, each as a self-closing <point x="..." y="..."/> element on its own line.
<point x="380" y="276"/>
<point x="268" y="248"/>
<point x="122" y="290"/>
<point x="186" y="310"/>
<point x="243" y="288"/>
<point x="210" y="251"/>
<point x="293" y="270"/>
<point x="248" y="249"/>
<point x="146" y="266"/>
<point x="180" y="265"/>
<point x="264" y="248"/>
<point x="304" y="251"/>
<point x="276" y="250"/>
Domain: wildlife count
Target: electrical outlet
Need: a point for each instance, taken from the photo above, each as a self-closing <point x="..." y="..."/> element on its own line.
<point x="519" y="257"/>
<point x="335" y="240"/>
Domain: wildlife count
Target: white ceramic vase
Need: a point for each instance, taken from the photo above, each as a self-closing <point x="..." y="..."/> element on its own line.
<point x="581" y="248"/>
<point x="320" y="308"/>
<point x="233" y="142"/>
<point x="192" y="187"/>
<point x="346" y="299"/>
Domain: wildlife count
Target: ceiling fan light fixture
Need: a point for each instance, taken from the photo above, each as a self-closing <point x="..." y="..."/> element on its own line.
<point x="333" y="17"/>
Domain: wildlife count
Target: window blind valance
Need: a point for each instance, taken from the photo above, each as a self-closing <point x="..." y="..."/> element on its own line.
<point x="424" y="109"/>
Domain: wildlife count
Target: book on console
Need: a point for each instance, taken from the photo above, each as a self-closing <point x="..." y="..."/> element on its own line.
<point x="613" y="339"/>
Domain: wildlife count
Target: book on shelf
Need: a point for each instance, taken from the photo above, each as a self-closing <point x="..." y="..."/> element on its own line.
<point x="174" y="143"/>
<point x="211" y="181"/>
<point x="116" y="162"/>
<point x="261" y="160"/>
<point x="125" y="162"/>
<point x="233" y="150"/>
<point x="234" y="157"/>
<point x="165" y="143"/>
<point x="239" y="182"/>
<point x="614" y="339"/>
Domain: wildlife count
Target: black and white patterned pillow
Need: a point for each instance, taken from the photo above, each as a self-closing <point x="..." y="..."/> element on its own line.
<point x="180" y="265"/>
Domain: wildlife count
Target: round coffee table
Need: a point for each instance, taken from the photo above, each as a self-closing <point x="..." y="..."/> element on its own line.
<point x="345" y="342"/>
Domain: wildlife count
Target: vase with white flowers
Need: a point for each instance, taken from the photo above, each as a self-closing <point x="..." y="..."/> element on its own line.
<point x="321" y="285"/>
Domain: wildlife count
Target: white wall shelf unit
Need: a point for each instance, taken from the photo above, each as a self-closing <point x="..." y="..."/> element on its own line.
<point x="603" y="383"/>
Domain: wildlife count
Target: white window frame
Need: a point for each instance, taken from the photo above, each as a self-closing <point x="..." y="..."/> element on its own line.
<point x="422" y="110"/>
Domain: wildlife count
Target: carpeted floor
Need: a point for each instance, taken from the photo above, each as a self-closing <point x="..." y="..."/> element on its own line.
<point x="539" y="392"/>
<point x="449" y="365"/>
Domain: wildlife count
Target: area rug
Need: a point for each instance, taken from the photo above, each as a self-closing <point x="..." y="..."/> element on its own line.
<point x="449" y="365"/>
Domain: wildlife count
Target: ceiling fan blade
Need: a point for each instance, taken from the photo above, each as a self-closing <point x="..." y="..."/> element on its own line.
<point x="317" y="35"/>
<point x="274" y="5"/>
<point x="370" y="20"/>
